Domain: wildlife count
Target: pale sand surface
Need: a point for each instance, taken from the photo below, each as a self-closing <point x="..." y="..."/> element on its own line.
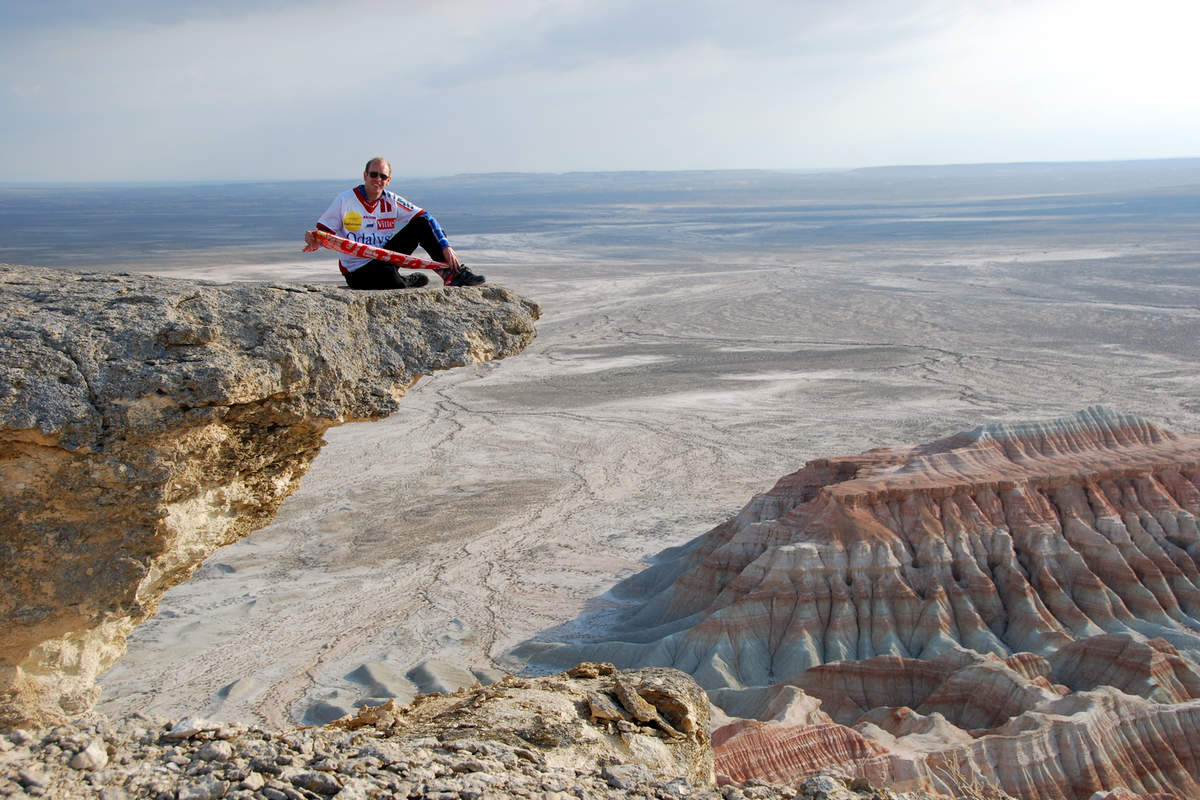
<point x="504" y="499"/>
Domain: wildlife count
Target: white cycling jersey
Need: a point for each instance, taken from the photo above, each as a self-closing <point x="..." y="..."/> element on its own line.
<point x="353" y="217"/>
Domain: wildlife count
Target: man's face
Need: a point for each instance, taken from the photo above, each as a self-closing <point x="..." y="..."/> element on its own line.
<point x="377" y="176"/>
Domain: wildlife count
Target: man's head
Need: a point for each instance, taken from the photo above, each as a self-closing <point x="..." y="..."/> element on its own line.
<point x="376" y="176"/>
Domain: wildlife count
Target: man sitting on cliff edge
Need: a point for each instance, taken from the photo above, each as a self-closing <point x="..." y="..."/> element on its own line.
<point x="370" y="214"/>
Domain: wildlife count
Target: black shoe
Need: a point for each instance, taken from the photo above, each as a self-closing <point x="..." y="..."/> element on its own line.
<point x="415" y="279"/>
<point x="464" y="277"/>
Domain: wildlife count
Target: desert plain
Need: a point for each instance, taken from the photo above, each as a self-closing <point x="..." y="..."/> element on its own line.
<point x="676" y="373"/>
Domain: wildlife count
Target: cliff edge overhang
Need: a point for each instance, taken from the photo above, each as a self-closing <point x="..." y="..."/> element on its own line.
<point x="146" y="422"/>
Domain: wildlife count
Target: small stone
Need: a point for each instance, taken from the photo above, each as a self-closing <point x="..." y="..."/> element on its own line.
<point x="159" y="786"/>
<point x="219" y="750"/>
<point x="253" y="782"/>
<point x="818" y="787"/>
<point x="469" y="765"/>
<point x="319" y="782"/>
<point x="285" y="790"/>
<point x="265" y="764"/>
<point x="589" y="669"/>
<point x="626" y="777"/>
<point x="94" y="756"/>
<point x="188" y="727"/>
<point x="402" y="788"/>
<point x="679" y="787"/>
<point x="634" y="703"/>
<point x="20" y="736"/>
<point x="602" y="706"/>
<point x="461" y="745"/>
<point x="30" y="778"/>
<point x="206" y="788"/>
<point x="427" y="741"/>
<point x="299" y="743"/>
<point x="358" y="790"/>
<point x="235" y="772"/>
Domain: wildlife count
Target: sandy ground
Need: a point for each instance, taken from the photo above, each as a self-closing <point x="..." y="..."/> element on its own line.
<point x="504" y="499"/>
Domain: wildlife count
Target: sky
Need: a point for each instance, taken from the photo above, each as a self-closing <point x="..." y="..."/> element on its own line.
<point x="137" y="90"/>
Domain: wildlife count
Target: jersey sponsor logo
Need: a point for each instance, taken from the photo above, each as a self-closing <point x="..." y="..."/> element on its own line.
<point x="386" y="223"/>
<point x="369" y="239"/>
<point x="352" y="221"/>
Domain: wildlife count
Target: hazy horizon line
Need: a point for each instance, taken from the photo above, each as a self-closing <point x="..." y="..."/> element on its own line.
<point x="594" y="172"/>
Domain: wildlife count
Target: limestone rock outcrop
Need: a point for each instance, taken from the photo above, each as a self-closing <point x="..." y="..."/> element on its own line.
<point x="654" y="717"/>
<point x="981" y="606"/>
<point x="145" y="422"/>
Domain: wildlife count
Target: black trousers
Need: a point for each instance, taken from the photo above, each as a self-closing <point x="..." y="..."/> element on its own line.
<point x="378" y="274"/>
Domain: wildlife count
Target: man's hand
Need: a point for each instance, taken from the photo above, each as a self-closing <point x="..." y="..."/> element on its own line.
<point x="310" y="242"/>
<point x="450" y="258"/>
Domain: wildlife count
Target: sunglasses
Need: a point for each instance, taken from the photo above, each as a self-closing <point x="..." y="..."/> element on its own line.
<point x="380" y="175"/>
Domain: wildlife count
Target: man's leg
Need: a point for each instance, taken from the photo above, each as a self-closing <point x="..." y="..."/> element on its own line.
<point x="378" y="274"/>
<point x="420" y="231"/>
<point x="383" y="275"/>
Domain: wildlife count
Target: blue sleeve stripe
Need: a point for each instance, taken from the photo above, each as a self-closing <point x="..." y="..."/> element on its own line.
<point x="437" y="229"/>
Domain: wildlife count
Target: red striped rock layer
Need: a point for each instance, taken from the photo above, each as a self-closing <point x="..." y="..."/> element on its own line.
<point x="1090" y="742"/>
<point x="749" y="749"/>
<point x="1083" y="744"/>
<point x="920" y="725"/>
<point x="977" y="693"/>
<point x="971" y="692"/>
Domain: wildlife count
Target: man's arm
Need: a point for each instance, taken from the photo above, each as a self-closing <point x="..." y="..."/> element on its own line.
<point x="448" y="255"/>
<point x="310" y="240"/>
<point x="325" y="222"/>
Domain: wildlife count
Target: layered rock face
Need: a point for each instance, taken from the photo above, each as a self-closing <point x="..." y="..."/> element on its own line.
<point x="1018" y="604"/>
<point x="146" y="422"/>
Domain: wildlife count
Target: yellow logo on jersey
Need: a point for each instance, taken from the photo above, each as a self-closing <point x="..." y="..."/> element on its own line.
<point x="352" y="221"/>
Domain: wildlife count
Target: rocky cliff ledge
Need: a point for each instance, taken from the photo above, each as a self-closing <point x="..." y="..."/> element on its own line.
<point x="146" y="422"/>
<point x="1017" y="605"/>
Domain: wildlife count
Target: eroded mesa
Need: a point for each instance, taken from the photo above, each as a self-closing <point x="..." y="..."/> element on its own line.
<point x="1017" y="605"/>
